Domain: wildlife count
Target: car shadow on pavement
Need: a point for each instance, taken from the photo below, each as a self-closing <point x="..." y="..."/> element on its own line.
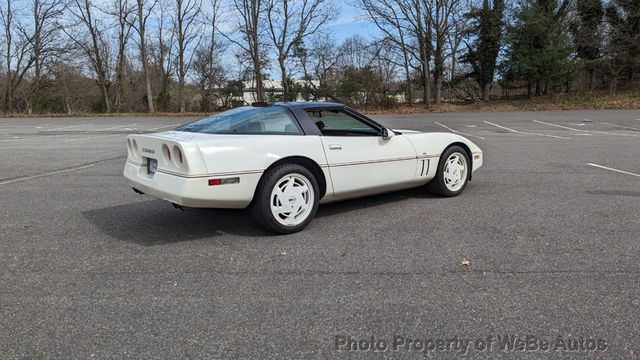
<point x="340" y="207"/>
<point x="156" y="222"/>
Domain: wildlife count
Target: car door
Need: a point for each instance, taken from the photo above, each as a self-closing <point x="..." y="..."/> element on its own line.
<point x="360" y="159"/>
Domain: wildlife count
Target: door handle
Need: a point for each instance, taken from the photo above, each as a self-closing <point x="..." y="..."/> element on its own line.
<point x="335" y="147"/>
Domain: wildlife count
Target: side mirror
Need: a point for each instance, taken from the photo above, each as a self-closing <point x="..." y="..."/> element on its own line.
<point x="387" y="134"/>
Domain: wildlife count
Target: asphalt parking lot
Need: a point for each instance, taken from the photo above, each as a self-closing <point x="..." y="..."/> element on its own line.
<point x="550" y="226"/>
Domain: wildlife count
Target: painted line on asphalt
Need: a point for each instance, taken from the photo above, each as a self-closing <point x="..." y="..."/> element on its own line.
<point x="162" y="127"/>
<point x="32" y="137"/>
<point x="524" y="132"/>
<point x="69" y="127"/>
<point x="612" y="169"/>
<point x="585" y="131"/>
<point x="60" y="171"/>
<point x="115" y="127"/>
<point x="459" y="132"/>
<point x="25" y="178"/>
<point x="620" y="126"/>
<point x="37" y="126"/>
<point x="93" y="137"/>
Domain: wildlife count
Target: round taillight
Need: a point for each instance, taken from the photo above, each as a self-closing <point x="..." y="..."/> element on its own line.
<point x="134" y="148"/>
<point x="129" y="149"/>
<point x="166" y="154"/>
<point x="177" y="156"/>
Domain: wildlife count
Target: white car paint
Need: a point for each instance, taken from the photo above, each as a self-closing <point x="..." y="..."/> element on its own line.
<point x="352" y="166"/>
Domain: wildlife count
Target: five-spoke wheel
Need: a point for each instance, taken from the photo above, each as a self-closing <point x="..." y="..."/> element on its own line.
<point x="292" y="199"/>
<point x="453" y="172"/>
<point x="286" y="199"/>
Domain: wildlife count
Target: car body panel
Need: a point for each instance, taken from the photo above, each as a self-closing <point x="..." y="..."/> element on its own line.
<point x="385" y="164"/>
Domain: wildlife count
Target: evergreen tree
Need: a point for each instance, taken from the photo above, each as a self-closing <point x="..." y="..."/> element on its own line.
<point x="623" y="48"/>
<point x="485" y="34"/>
<point x="587" y="36"/>
<point x="539" y="46"/>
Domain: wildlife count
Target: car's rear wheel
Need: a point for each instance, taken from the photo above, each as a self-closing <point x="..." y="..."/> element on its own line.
<point x="286" y="199"/>
<point x="453" y="172"/>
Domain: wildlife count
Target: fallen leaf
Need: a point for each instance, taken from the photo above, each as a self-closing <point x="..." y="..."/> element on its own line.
<point x="284" y="253"/>
<point x="465" y="262"/>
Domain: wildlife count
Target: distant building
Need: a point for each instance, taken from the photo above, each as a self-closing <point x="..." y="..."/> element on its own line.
<point x="273" y="90"/>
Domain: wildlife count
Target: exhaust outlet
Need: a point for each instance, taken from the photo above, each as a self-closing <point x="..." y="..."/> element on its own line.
<point x="176" y="206"/>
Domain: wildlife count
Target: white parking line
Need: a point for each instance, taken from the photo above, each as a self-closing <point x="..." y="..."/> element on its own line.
<point x="114" y="127"/>
<point x="526" y="133"/>
<point x="584" y="131"/>
<point x="37" y="126"/>
<point x="45" y="174"/>
<point x="69" y="127"/>
<point x="620" y="126"/>
<point x="92" y="137"/>
<point x="612" y="169"/>
<point x="162" y="127"/>
<point x="459" y="132"/>
<point x="32" y="137"/>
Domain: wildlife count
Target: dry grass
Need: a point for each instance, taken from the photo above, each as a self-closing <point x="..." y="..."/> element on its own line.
<point x="90" y="114"/>
<point x="559" y="102"/>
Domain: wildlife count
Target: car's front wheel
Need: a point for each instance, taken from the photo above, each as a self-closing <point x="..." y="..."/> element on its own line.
<point x="286" y="199"/>
<point x="453" y="172"/>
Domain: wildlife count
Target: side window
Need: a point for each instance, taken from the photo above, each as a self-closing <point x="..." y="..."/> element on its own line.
<point x="339" y="123"/>
<point x="246" y="120"/>
<point x="278" y="122"/>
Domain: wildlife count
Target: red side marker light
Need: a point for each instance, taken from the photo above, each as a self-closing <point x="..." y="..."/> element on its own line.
<point x="233" y="180"/>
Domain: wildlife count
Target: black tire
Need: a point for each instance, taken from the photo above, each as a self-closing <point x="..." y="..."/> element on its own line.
<point x="438" y="185"/>
<point x="261" y="205"/>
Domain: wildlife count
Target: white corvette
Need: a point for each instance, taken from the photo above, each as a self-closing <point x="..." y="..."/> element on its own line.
<point x="282" y="160"/>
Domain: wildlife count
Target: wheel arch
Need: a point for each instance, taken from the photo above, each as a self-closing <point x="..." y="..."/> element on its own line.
<point x="309" y="164"/>
<point x="467" y="150"/>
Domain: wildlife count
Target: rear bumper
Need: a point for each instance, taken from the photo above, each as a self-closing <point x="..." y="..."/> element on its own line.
<point x="193" y="192"/>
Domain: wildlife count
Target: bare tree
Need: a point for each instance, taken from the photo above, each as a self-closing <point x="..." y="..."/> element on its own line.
<point x="321" y="63"/>
<point x="161" y="53"/>
<point x="140" y="26"/>
<point x="44" y="40"/>
<point x="207" y="59"/>
<point x="290" y="22"/>
<point x="440" y="13"/>
<point x="387" y="17"/>
<point x="250" y="26"/>
<point x="19" y="59"/>
<point x="95" y="48"/>
<point x="354" y="52"/>
<point x="187" y="29"/>
<point x="417" y="23"/>
<point x="123" y="12"/>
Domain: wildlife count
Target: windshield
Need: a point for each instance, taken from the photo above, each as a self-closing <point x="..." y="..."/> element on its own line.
<point x="246" y="120"/>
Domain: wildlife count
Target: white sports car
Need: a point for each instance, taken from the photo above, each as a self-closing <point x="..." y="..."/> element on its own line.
<point x="282" y="160"/>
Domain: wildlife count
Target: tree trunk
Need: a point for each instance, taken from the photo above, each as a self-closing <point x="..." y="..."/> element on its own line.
<point x="258" y="79"/>
<point x="285" y="82"/>
<point x="105" y="95"/>
<point x="438" y="90"/>
<point x="486" y="92"/>
<point x="143" y="56"/>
